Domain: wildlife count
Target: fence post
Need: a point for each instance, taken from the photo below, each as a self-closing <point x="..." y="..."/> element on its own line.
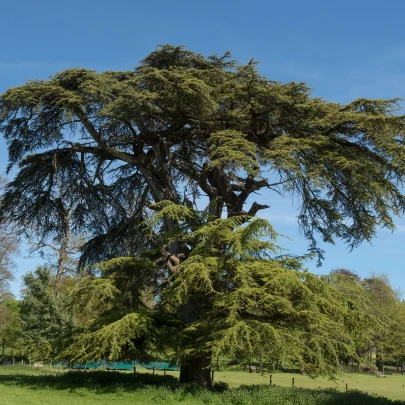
<point x="134" y="369"/>
<point x="346" y="387"/>
<point x="153" y="370"/>
<point x="164" y="371"/>
<point x="271" y="380"/>
<point x="293" y="382"/>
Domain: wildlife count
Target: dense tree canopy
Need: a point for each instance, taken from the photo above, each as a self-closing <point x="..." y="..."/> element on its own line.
<point x="234" y="297"/>
<point x="180" y="126"/>
<point x="135" y="154"/>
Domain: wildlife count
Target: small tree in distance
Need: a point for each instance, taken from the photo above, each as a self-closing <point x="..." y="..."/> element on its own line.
<point x="346" y="272"/>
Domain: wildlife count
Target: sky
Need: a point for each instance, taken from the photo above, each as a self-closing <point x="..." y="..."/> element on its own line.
<point x="342" y="49"/>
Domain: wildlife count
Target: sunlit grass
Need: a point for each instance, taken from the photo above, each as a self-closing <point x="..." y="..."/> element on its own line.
<point x="391" y="387"/>
<point x="28" y="386"/>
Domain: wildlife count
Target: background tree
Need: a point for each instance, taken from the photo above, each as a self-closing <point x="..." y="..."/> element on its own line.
<point x="9" y="247"/>
<point x="383" y="335"/>
<point x="45" y="313"/>
<point x="396" y="338"/>
<point x="181" y="126"/>
<point x="62" y="256"/>
<point x="385" y="304"/>
<point x="353" y="288"/>
<point x="9" y="324"/>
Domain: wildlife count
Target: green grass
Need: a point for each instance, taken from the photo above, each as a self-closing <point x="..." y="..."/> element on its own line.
<point x="26" y="386"/>
<point x="392" y="387"/>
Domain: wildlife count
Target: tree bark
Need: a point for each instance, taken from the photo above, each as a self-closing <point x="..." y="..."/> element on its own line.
<point x="196" y="370"/>
<point x="380" y="362"/>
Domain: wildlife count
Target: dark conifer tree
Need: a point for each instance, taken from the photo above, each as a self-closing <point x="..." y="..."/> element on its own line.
<point x="117" y="146"/>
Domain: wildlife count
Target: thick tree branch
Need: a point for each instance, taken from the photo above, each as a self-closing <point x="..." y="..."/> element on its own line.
<point x="256" y="207"/>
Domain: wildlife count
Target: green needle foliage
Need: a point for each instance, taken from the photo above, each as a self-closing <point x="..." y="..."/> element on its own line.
<point x="119" y="147"/>
<point x="108" y="144"/>
<point x="117" y="340"/>
<point x="242" y="299"/>
<point x="114" y="312"/>
<point x="237" y="297"/>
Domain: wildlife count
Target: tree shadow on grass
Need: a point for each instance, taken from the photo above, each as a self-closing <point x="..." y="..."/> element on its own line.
<point x="110" y="382"/>
<point x="99" y="382"/>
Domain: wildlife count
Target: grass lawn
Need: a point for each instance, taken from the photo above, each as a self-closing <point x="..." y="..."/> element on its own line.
<point x="27" y="386"/>
<point x="392" y="387"/>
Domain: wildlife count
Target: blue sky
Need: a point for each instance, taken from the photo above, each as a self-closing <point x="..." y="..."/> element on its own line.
<point x="343" y="50"/>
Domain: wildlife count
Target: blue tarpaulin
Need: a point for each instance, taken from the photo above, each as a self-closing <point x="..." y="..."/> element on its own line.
<point x="109" y="365"/>
<point x="124" y="365"/>
<point x="159" y="366"/>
